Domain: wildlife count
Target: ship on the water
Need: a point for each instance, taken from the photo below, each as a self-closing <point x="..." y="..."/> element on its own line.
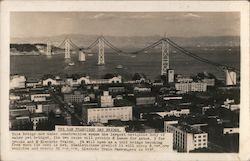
<point x="119" y="67"/>
<point x="71" y="64"/>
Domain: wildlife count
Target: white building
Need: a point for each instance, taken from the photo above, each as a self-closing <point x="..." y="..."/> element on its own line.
<point x="87" y="80"/>
<point x="76" y="82"/>
<point x="230" y="77"/>
<point x="232" y="107"/>
<point x="14" y="97"/>
<point x="103" y="115"/>
<point x="50" y="81"/>
<point x="17" y="81"/>
<point x="184" y="87"/>
<point x="231" y="130"/>
<point x="186" y="138"/>
<point x="33" y="84"/>
<point x="168" y="98"/>
<point x="115" y="79"/>
<point x="81" y="56"/>
<point x="39" y="97"/>
<point x="176" y="113"/>
<point x="142" y="89"/>
<point x="107" y="100"/>
<point x="198" y="87"/>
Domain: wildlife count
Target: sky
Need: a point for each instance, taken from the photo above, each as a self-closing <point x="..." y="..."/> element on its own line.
<point x="183" y="24"/>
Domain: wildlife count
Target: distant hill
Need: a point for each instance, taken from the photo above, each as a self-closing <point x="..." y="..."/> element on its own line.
<point x="24" y="47"/>
<point x="30" y="49"/>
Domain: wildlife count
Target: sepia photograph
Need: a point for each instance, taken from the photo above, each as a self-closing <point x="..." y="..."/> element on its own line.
<point x="148" y="72"/>
<point x="86" y="81"/>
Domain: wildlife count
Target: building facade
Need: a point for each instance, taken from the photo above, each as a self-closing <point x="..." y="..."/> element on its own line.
<point x="103" y="115"/>
<point x="230" y="77"/>
<point x="75" y="97"/>
<point x="186" y="138"/>
<point x="185" y="87"/>
<point x="170" y="75"/>
<point x="176" y="113"/>
<point x="17" y="81"/>
<point x="106" y="100"/>
<point x="36" y="118"/>
<point x="39" y="97"/>
<point x="47" y="107"/>
<point x="116" y="89"/>
<point x="145" y="100"/>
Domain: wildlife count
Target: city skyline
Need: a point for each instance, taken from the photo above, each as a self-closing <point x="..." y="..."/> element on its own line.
<point x="173" y="24"/>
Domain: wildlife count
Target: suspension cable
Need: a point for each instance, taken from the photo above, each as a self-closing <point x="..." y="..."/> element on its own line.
<point x="173" y="44"/>
<point x="92" y="45"/>
<point x="151" y="46"/>
<point x="148" y="47"/>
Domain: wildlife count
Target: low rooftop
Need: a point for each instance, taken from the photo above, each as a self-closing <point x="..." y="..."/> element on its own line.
<point x="187" y="128"/>
<point x="38" y="115"/>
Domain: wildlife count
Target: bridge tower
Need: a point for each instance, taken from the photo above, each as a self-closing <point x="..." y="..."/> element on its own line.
<point x="67" y="49"/>
<point x="101" y="58"/>
<point x="165" y="57"/>
<point x="48" y="53"/>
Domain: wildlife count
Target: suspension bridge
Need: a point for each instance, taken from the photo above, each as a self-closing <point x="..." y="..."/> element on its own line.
<point x="165" y="44"/>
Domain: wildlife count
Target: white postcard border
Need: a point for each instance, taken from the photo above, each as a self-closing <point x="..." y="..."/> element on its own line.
<point x="126" y="6"/>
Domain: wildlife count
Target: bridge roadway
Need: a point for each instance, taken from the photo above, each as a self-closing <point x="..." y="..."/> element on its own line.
<point x="64" y="106"/>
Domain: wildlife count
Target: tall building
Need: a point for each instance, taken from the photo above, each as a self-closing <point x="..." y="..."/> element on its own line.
<point x="185" y="137"/>
<point x="106" y="100"/>
<point x="81" y="56"/>
<point x="170" y="75"/>
<point x="230" y="77"/>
